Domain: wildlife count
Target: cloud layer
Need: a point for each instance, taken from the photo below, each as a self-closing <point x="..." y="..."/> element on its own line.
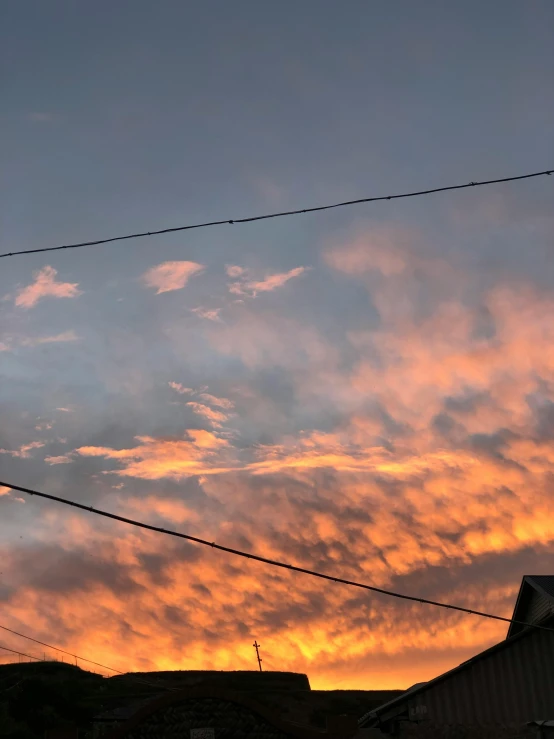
<point x="407" y="443"/>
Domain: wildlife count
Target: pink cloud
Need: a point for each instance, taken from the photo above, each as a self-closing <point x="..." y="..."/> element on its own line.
<point x="62" y="459"/>
<point x="207" y="313"/>
<point x="181" y="389"/>
<point x="169" y="276"/>
<point x="24" y="451"/>
<point x="45" y="286"/>
<point x="43" y="425"/>
<point x="251" y="287"/>
<point x="233" y="270"/>
<point x="65" y="337"/>
<point x="386" y="250"/>
<point x="15" y="341"/>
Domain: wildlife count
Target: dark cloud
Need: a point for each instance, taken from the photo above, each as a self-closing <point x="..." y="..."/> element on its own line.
<point x="52" y="569"/>
<point x="494" y="444"/>
<point x="466" y="403"/>
<point x="544" y="419"/>
<point x="445" y="424"/>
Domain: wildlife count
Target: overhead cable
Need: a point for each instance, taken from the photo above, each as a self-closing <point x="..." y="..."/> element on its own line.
<point x="267" y="561"/>
<point x="21" y="654"/>
<point x="62" y="651"/>
<point x="281" y="214"/>
<point x="78" y="657"/>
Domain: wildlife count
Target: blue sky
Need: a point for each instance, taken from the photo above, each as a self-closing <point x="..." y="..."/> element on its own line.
<point x="365" y="380"/>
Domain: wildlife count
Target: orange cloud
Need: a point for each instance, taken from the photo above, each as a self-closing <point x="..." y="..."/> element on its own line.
<point x="324" y="629"/>
<point x="202" y="453"/>
<point x="45" y="286"/>
<point x="169" y="276"/>
<point x="216" y="418"/>
<point x="170" y="509"/>
<point x="214" y="400"/>
<point x="9" y="493"/>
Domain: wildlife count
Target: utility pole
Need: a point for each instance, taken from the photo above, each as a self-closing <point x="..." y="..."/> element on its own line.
<point x="257" y="647"/>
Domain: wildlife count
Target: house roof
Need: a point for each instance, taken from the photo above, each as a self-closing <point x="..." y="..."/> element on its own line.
<point x="543" y="582"/>
<point x="543" y="585"/>
<point x="420" y="687"/>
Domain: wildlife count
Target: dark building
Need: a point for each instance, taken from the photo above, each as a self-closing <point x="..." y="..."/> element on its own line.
<point x="505" y="687"/>
<point x="250" y="704"/>
<point x="202" y="712"/>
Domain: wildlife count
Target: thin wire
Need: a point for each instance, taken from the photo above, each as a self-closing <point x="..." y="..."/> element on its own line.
<point x="265" y="560"/>
<point x="21" y="654"/>
<point x="63" y="651"/>
<point x="83" y="659"/>
<point x="277" y="215"/>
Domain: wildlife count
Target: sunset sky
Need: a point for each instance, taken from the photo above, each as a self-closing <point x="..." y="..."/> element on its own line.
<point x="368" y="392"/>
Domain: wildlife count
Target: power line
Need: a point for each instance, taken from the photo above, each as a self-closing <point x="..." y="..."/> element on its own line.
<point x="265" y="560"/>
<point x="83" y="659"/>
<point x="21" y="654"/>
<point x="62" y="651"/>
<point x="281" y="214"/>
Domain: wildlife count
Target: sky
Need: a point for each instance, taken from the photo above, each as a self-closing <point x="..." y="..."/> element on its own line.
<point x="368" y="392"/>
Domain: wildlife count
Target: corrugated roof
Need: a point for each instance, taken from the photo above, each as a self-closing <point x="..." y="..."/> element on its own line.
<point x="544" y="583"/>
<point x="419" y="687"/>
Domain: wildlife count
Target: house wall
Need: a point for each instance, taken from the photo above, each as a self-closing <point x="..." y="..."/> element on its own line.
<point x="509" y="687"/>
